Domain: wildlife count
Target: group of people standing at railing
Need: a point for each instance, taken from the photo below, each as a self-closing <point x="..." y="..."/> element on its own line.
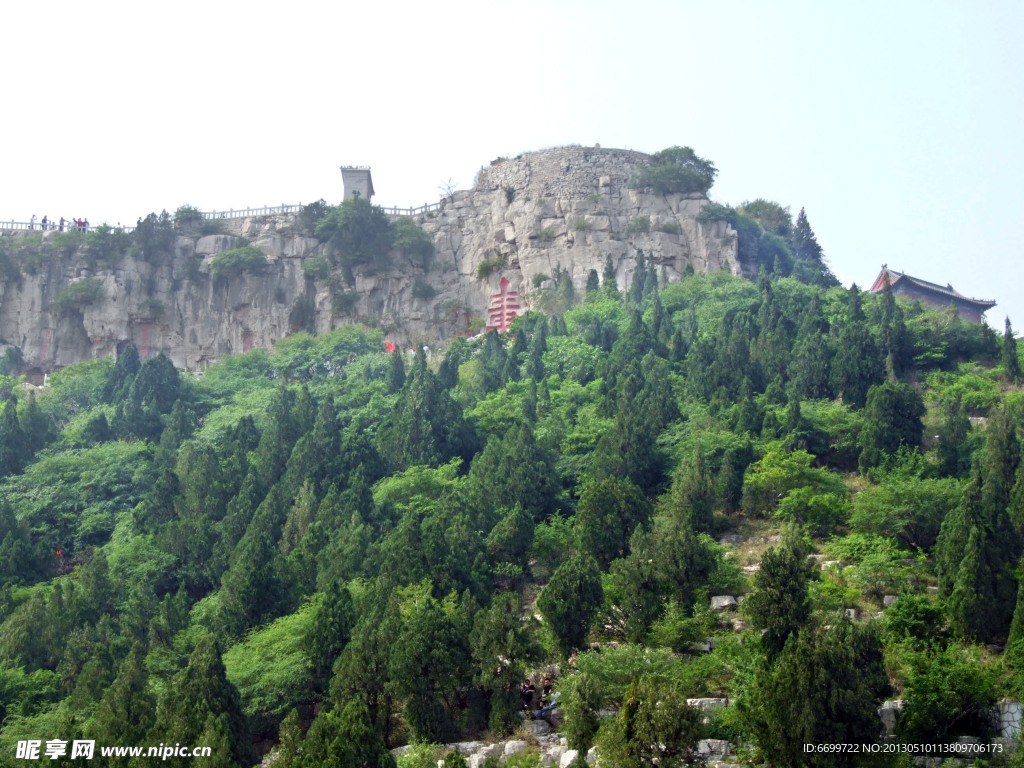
<point x="81" y="225"/>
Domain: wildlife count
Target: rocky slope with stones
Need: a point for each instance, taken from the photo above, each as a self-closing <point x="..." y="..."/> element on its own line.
<point x="558" y="211"/>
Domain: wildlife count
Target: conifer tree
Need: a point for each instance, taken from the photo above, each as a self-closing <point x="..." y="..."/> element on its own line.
<point x="122" y="375"/>
<point x="654" y="726"/>
<point x="513" y="469"/>
<point x="530" y="402"/>
<point x="35" y="425"/>
<point x="651" y="280"/>
<point x="277" y="439"/>
<point x="14" y="448"/>
<point x="329" y="632"/>
<point x="892" y="420"/>
<point x="362" y="671"/>
<point x="609" y="510"/>
<point x="425" y="426"/>
<point x="535" y="360"/>
<point x="691" y="497"/>
<point x="636" y="287"/>
<point x="396" y="371"/>
<point x="954" y="444"/>
<point x="492" y="361"/>
<point x="571" y="599"/>
<point x="428" y="663"/>
<point x="1011" y="361"/>
<point x="196" y="693"/>
<point x="975" y="554"/>
<point x="609" y="284"/>
<point x="502" y="647"/>
<point x="857" y="364"/>
<point x="300" y="516"/>
<point x="593" y="284"/>
<point x="730" y="477"/>
<point x="303" y="412"/>
<point x="252" y="589"/>
<point x="127" y="710"/>
<point x="20" y="560"/>
<point x="780" y="603"/>
<point x="510" y="539"/>
<point x="895" y="342"/>
<point x="824" y="688"/>
<point x="804" y="243"/>
<point x="343" y="738"/>
<point x="810" y="259"/>
<point x="812" y="354"/>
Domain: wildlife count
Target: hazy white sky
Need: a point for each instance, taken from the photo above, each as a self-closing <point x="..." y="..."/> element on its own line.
<point x="896" y="124"/>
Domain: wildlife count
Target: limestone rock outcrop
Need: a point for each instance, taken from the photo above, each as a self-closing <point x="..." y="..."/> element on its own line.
<point x="555" y="212"/>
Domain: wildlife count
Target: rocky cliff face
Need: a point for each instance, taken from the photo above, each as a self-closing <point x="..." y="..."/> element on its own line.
<point x="558" y="211"/>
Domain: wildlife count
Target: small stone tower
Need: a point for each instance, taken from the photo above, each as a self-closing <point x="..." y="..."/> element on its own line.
<point x="357" y="181"/>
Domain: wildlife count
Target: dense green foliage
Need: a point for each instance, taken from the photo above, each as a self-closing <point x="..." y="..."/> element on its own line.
<point x="677" y="169"/>
<point x="236" y="261"/>
<point x="341" y="549"/>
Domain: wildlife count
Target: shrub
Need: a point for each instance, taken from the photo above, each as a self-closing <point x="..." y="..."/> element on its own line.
<point x="670" y="228"/>
<point x="539" y="278"/>
<point x="421" y="289"/>
<point x="316" y="268"/>
<point x="639" y="225"/>
<point x="187" y="214"/>
<point x="908" y="508"/>
<point x="212" y="226"/>
<point x="80" y="294"/>
<point x="68" y="243"/>
<point x="413" y="242"/>
<point x="302" y="316"/>
<point x="487" y="266"/>
<point x="342" y="303"/>
<point x="978" y="392"/>
<point x="154" y="235"/>
<point x="777" y="473"/>
<point x="312" y="214"/>
<point x="106" y="244"/>
<point x="236" y="261"/>
<point x="676" y="170"/>
<point x="547" y="234"/>
<point x="151" y="308"/>
<point x="510" y="193"/>
<point x="878" y="563"/>
<point x="820" y="512"/>
<point x="581" y="224"/>
<point x="948" y="694"/>
<point x="359" y="233"/>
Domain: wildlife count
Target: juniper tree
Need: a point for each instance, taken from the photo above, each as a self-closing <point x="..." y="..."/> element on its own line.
<point x="14" y="449"/>
<point x="502" y="647"/>
<point x="824" y="688"/>
<point x="329" y="632"/>
<point x="892" y="420"/>
<point x="857" y="364"/>
<point x="200" y="691"/>
<point x="1011" y="361"/>
<point x="127" y="709"/>
<point x="571" y="599"/>
<point x="780" y="603"/>
<point x="609" y="510"/>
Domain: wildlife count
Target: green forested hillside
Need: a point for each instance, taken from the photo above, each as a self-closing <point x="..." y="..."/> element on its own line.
<point x="343" y="550"/>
